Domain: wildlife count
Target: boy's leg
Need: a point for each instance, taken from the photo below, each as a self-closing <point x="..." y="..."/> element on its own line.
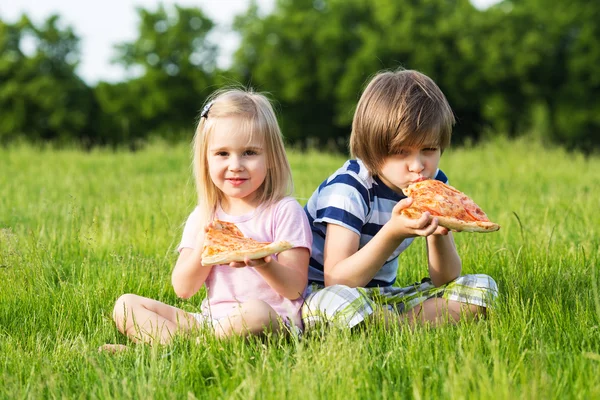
<point x="254" y="317"/>
<point x="439" y="311"/>
<point x="463" y="299"/>
<point x="150" y="321"/>
<point x="337" y="305"/>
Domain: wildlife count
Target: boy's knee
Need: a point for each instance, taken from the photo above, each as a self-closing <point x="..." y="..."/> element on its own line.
<point x="338" y="304"/>
<point x="483" y="289"/>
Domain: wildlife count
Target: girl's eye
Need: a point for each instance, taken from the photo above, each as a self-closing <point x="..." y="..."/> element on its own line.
<point x="250" y="153"/>
<point x="222" y="153"/>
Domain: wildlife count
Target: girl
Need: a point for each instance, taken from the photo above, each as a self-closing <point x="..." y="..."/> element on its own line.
<point x="242" y="176"/>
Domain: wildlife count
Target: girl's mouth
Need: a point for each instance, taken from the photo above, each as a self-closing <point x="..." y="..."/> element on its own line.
<point x="236" y="181"/>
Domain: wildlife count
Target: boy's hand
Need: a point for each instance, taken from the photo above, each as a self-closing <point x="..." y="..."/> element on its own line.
<point x="260" y="262"/>
<point x="406" y="227"/>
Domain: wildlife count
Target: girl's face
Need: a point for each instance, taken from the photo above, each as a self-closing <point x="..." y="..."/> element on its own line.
<point x="237" y="166"/>
<point x="408" y="165"/>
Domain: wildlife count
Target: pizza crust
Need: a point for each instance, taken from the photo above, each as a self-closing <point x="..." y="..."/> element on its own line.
<point x="464" y="226"/>
<point x="240" y="255"/>
<point x="453" y="209"/>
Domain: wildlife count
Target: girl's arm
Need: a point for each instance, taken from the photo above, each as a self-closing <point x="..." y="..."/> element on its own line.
<point x="287" y="275"/>
<point x="189" y="274"/>
<point x="444" y="262"/>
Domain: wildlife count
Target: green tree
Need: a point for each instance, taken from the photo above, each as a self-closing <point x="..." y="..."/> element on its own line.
<point x="542" y="57"/>
<point x="41" y="96"/>
<point x="316" y="56"/>
<point x="436" y="37"/>
<point x="298" y="53"/>
<point x="177" y="65"/>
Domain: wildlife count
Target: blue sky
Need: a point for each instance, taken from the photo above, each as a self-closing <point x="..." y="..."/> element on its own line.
<point x="101" y="24"/>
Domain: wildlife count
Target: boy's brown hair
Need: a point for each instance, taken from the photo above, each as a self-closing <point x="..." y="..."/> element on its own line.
<point x="402" y="108"/>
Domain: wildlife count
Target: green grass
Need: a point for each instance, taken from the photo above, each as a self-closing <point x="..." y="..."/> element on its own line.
<point x="79" y="229"/>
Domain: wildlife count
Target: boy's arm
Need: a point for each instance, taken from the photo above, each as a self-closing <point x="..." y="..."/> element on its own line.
<point x="345" y="264"/>
<point x="445" y="264"/>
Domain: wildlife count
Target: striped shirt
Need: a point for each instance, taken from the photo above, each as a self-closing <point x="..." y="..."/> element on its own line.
<point x="360" y="202"/>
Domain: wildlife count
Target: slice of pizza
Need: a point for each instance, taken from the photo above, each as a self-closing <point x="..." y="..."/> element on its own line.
<point x="224" y="243"/>
<point x="453" y="209"/>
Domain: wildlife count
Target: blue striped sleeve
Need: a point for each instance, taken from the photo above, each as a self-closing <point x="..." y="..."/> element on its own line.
<point x="440" y="176"/>
<point x="343" y="201"/>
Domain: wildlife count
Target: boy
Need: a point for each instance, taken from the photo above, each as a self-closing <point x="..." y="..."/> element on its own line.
<point x="401" y="127"/>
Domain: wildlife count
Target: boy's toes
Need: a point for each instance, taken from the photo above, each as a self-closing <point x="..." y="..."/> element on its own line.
<point x="112" y="348"/>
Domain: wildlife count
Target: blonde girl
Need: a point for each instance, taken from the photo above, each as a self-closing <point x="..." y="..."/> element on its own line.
<point x="242" y="176"/>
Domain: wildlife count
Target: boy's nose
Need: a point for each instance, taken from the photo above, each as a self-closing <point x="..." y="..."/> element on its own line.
<point x="416" y="165"/>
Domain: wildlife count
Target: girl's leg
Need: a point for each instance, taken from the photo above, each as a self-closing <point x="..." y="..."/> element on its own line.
<point x="254" y="317"/>
<point x="150" y="321"/>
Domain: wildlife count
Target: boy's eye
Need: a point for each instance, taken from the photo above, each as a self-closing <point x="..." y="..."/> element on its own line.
<point x="430" y="149"/>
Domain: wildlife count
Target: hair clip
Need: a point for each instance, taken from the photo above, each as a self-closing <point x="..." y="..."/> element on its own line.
<point x="206" y="109"/>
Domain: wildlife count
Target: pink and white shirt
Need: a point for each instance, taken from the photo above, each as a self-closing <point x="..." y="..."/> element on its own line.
<point x="226" y="286"/>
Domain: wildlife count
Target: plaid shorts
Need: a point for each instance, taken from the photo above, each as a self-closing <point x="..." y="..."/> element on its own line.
<point x="346" y="307"/>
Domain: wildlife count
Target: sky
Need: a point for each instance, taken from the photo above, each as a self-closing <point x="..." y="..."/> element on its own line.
<point x="102" y="24"/>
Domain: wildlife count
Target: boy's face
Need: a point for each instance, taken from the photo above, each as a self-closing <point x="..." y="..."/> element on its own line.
<point x="408" y="165"/>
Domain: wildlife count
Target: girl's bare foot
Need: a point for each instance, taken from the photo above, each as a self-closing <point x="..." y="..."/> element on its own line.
<point x="112" y="348"/>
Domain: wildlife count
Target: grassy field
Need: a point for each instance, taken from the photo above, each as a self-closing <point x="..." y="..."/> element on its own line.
<point x="77" y="230"/>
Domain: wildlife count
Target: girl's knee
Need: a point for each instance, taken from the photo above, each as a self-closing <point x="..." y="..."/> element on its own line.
<point x="257" y="313"/>
<point x="252" y="317"/>
<point x="257" y="306"/>
<point x="124" y="305"/>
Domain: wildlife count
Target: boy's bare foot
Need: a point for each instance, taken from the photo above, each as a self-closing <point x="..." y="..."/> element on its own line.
<point x="112" y="348"/>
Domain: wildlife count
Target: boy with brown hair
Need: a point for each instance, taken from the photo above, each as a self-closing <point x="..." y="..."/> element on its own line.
<point x="401" y="127"/>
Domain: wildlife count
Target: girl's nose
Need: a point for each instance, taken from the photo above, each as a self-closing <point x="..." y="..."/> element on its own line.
<point x="235" y="163"/>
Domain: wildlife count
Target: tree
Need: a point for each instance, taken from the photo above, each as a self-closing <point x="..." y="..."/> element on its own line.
<point x="545" y="57"/>
<point x="316" y="56"/>
<point x="41" y="96"/>
<point x="178" y="66"/>
<point x="298" y="53"/>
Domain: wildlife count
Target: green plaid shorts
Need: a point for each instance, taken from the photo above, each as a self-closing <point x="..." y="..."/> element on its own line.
<point x="346" y="307"/>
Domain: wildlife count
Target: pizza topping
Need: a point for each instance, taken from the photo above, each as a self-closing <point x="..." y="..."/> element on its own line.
<point x="456" y="211"/>
<point x="224" y="243"/>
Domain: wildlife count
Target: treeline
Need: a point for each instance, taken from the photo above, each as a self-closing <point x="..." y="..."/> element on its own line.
<point x="516" y="68"/>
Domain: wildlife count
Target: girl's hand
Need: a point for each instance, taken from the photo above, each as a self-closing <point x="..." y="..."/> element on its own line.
<point x="258" y="263"/>
<point x="405" y="227"/>
<point x="201" y="235"/>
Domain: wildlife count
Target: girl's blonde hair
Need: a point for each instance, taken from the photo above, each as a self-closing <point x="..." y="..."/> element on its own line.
<point x="257" y="117"/>
<point x="402" y="108"/>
